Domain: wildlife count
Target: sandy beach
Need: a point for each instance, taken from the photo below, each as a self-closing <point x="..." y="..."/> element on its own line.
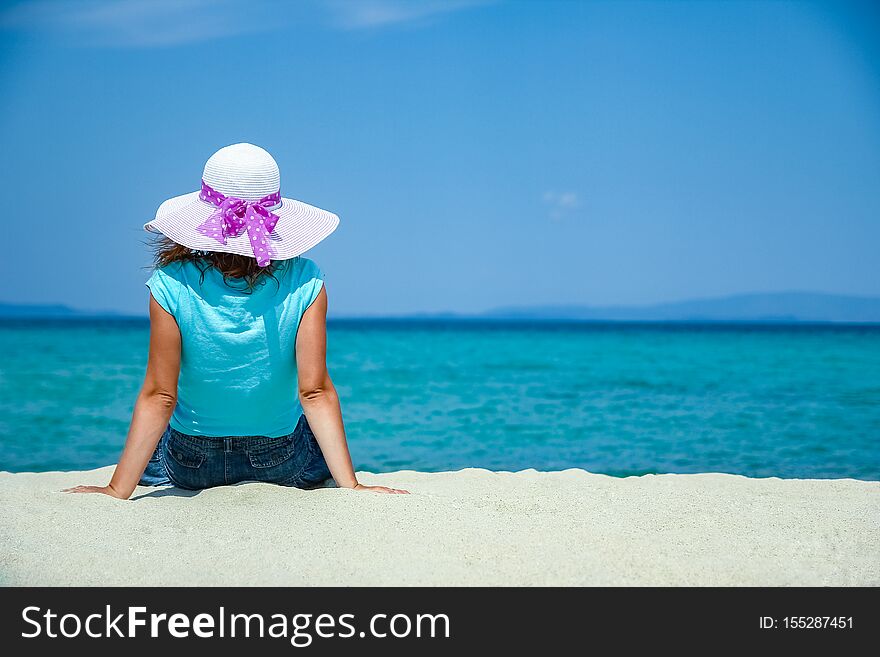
<point x="472" y="527"/>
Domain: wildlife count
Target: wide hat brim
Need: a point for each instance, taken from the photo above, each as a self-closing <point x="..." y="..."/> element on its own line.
<point x="300" y="227"/>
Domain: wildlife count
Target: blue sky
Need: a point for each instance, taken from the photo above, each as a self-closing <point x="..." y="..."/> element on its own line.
<point x="479" y="154"/>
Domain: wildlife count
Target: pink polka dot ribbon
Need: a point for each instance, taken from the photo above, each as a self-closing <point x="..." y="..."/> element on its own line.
<point x="235" y="215"/>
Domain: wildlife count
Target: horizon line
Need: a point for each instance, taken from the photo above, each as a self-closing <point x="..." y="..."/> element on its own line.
<point x="492" y="313"/>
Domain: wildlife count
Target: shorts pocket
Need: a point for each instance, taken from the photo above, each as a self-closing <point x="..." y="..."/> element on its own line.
<point x="270" y="452"/>
<point x="184" y="452"/>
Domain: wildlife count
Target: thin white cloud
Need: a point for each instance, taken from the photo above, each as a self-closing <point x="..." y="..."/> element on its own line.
<point x="133" y="23"/>
<point x="560" y="203"/>
<point x="156" y="23"/>
<point x="363" y="14"/>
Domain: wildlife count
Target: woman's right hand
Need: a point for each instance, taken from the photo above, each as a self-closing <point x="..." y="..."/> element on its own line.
<point x="382" y="489"/>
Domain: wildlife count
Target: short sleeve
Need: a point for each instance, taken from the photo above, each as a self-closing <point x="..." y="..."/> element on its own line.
<point x="165" y="290"/>
<point x="311" y="281"/>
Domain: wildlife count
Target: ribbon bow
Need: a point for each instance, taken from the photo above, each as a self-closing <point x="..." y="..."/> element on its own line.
<point x="235" y="215"/>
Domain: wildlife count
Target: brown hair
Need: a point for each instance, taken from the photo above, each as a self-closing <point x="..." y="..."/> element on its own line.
<point x="231" y="265"/>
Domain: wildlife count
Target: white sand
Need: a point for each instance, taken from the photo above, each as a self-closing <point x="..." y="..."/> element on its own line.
<point x="472" y="527"/>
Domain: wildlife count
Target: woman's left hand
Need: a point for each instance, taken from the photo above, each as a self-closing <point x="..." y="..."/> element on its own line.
<point x="106" y="490"/>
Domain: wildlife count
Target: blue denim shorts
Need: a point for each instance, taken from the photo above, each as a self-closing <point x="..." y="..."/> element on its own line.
<point x="197" y="462"/>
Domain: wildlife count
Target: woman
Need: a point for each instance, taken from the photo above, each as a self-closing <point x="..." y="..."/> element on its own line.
<point x="236" y="387"/>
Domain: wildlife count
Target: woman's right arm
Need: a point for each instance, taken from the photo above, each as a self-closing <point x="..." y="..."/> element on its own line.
<point x="319" y="399"/>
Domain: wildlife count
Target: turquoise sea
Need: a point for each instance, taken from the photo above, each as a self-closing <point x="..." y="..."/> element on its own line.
<point x="621" y="399"/>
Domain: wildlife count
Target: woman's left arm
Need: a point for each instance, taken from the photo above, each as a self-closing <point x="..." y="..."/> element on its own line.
<point x="153" y="408"/>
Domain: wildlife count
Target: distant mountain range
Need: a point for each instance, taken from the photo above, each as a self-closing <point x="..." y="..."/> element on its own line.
<point x="772" y="307"/>
<point x="49" y="311"/>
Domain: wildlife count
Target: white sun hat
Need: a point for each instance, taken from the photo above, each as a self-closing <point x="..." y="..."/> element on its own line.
<point x="240" y="210"/>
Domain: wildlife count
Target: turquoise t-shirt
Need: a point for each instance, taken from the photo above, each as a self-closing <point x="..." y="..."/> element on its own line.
<point x="238" y="349"/>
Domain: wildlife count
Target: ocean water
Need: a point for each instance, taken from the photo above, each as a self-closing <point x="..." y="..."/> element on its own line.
<point x="620" y="399"/>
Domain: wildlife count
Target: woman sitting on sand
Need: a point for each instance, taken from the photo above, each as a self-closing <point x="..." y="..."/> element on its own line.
<point x="237" y="342"/>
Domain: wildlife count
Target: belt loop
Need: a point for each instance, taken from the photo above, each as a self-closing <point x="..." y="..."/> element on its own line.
<point x="227" y="444"/>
